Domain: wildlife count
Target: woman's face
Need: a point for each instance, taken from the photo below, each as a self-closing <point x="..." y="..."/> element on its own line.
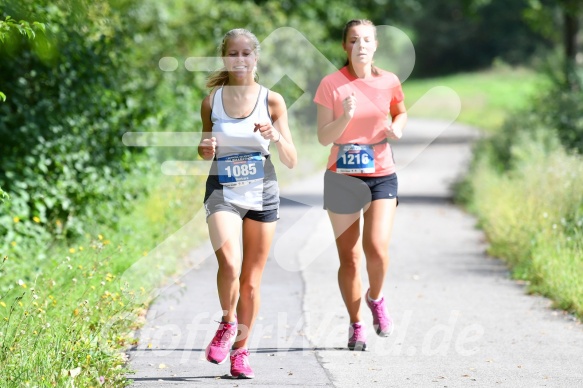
<point x="360" y="44"/>
<point x="239" y="57"/>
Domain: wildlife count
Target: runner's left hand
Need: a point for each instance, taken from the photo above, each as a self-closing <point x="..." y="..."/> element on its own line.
<point x="268" y="132"/>
<point x="393" y="132"/>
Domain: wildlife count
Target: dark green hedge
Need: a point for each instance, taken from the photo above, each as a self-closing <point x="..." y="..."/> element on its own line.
<point x="71" y="93"/>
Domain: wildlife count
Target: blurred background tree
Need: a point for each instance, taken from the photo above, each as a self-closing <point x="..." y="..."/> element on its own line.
<point x="71" y="92"/>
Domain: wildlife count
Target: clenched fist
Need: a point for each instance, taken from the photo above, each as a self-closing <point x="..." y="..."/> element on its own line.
<point x="207" y="148"/>
<point x="349" y="105"/>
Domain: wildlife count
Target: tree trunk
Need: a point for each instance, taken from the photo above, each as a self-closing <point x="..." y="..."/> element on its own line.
<point x="571" y="29"/>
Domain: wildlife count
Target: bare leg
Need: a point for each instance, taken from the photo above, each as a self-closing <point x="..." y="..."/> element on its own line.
<point x="224" y="231"/>
<point x="257" y="238"/>
<point x="376" y="236"/>
<point x="347" y="232"/>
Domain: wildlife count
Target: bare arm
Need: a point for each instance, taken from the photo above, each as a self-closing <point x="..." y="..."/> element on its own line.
<point x="399" y="115"/>
<point x="279" y="132"/>
<point x="208" y="144"/>
<point x="329" y="129"/>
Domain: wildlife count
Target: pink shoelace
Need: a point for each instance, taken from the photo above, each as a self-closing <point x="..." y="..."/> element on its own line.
<point x="357" y="333"/>
<point x="223" y="335"/>
<point x="380" y="313"/>
<point x="240" y="359"/>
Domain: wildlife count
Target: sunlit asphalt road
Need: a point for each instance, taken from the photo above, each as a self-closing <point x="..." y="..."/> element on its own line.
<point x="460" y="320"/>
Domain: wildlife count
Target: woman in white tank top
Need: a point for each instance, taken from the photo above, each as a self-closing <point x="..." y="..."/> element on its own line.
<point x="241" y="120"/>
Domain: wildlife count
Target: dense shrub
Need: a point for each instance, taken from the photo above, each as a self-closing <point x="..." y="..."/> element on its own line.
<point x="561" y="107"/>
<point x="71" y="94"/>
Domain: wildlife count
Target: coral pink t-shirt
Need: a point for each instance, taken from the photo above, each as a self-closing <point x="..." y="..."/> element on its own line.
<point x="374" y="97"/>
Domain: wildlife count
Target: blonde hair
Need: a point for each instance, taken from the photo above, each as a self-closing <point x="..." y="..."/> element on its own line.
<point x="360" y="22"/>
<point x="221" y="76"/>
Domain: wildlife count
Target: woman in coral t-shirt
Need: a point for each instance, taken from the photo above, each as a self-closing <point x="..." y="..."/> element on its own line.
<point x="360" y="107"/>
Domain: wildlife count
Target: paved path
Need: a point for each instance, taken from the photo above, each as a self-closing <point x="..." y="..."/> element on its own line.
<point x="460" y="320"/>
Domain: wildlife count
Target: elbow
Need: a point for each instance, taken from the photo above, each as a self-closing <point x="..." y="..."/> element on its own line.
<point x="292" y="162"/>
<point x="322" y="140"/>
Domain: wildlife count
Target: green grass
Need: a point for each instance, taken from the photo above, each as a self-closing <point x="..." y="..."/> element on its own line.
<point x="533" y="218"/>
<point x="65" y="321"/>
<point x="487" y="97"/>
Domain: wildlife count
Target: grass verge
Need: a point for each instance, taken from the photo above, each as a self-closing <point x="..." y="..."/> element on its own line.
<point x="65" y="321"/>
<point x="487" y="97"/>
<point x="532" y="214"/>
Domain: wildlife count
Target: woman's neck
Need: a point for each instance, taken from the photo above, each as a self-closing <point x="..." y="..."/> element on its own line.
<point x="239" y="81"/>
<point x="360" y="70"/>
<point x="240" y="87"/>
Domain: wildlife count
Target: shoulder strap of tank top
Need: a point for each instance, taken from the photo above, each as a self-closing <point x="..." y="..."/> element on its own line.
<point x="265" y="91"/>
<point x="263" y="94"/>
<point x="217" y="99"/>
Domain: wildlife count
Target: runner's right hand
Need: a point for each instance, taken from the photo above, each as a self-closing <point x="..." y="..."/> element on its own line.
<point x="207" y="147"/>
<point x="349" y="105"/>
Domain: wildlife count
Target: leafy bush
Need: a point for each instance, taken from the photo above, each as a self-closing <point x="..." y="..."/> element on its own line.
<point x="71" y="94"/>
<point x="561" y="107"/>
<point x="3" y="196"/>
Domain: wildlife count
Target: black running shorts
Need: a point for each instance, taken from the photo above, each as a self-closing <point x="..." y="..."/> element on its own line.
<point x="346" y="194"/>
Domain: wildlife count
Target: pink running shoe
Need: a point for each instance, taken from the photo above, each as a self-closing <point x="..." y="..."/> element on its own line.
<point x="218" y="350"/>
<point x="357" y="337"/>
<point x="240" y="368"/>
<point x="381" y="320"/>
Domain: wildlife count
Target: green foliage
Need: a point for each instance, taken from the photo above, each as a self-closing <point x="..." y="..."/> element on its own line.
<point x="526" y="187"/>
<point x="560" y="106"/>
<point x="3" y="195"/>
<point x="70" y="316"/>
<point x="532" y="212"/>
<point x="552" y="115"/>
<point x="166" y="30"/>
<point x="23" y="27"/>
<point x="72" y="95"/>
<point x="55" y="329"/>
<point x="544" y="15"/>
<point x="451" y="36"/>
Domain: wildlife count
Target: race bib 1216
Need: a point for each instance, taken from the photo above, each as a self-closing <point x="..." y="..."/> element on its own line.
<point x="354" y="158"/>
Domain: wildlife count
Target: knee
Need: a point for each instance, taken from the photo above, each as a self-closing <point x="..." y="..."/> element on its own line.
<point x="376" y="254"/>
<point x="228" y="271"/>
<point x="350" y="264"/>
<point x="248" y="290"/>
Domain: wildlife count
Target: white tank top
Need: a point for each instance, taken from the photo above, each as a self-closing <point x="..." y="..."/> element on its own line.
<point x="235" y="135"/>
<point x="236" y="140"/>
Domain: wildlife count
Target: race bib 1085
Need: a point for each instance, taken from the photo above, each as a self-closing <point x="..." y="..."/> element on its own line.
<point x="240" y="169"/>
